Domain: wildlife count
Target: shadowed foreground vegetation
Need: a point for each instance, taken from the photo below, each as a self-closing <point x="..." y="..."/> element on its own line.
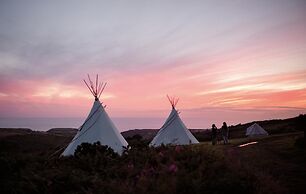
<point x="274" y="165"/>
<point x="97" y="169"/>
<point x="30" y="163"/>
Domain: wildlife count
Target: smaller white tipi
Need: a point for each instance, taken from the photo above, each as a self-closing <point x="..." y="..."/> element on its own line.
<point x="97" y="126"/>
<point x="255" y="130"/>
<point x="173" y="131"/>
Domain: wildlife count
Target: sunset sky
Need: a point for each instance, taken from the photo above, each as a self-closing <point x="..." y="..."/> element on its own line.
<point x="236" y="61"/>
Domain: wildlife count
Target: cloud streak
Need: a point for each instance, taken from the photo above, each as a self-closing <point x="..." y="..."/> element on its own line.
<point x="245" y="54"/>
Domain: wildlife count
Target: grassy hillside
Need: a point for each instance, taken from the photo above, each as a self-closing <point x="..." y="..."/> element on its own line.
<point x="276" y="126"/>
<point x="30" y="163"/>
<point x="275" y="164"/>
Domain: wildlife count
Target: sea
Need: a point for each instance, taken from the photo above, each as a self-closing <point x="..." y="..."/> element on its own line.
<point x="123" y="124"/>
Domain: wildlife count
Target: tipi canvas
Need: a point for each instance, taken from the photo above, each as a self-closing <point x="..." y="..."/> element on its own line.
<point x="97" y="126"/>
<point x="255" y="130"/>
<point x="173" y="131"/>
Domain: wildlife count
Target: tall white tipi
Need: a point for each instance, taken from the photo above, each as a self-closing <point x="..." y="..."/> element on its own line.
<point x="97" y="126"/>
<point x="173" y="131"/>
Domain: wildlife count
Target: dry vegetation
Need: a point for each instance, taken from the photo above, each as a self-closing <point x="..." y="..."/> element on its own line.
<point x="275" y="165"/>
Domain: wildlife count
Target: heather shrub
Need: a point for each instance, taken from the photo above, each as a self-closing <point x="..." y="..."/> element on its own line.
<point x="96" y="168"/>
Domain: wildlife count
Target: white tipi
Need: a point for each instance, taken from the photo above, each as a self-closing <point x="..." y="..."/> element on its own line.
<point x="97" y="126"/>
<point x="255" y="130"/>
<point x="173" y="131"/>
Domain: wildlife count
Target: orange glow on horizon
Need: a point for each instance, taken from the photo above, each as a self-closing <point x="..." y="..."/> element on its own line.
<point x="283" y="90"/>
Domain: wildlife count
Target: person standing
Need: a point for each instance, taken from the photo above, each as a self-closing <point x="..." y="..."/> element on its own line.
<point x="224" y="131"/>
<point x="214" y="134"/>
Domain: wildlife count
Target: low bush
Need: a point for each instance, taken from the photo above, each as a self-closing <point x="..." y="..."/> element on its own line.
<point x="140" y="169"/>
